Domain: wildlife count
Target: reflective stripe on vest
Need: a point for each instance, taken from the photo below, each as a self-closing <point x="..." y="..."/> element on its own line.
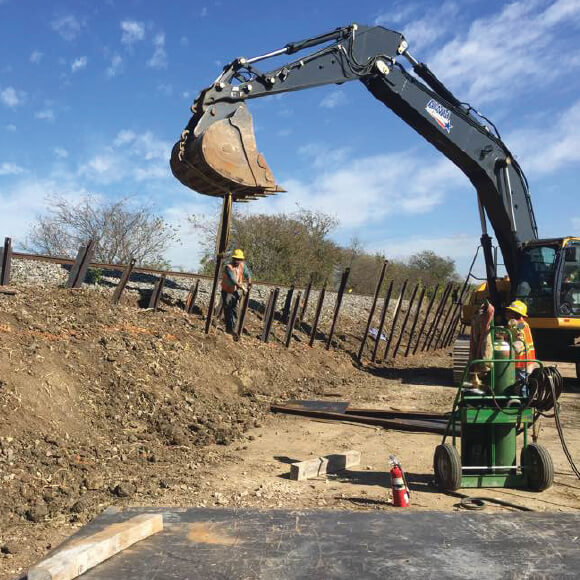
<point x="529" y="351"/>
<point x="238" y="272"/>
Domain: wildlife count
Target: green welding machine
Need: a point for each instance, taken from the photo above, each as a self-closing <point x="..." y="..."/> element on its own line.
<point x="492" y="414"/>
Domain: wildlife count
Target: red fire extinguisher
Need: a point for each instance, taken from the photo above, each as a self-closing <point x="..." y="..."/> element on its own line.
<point x="398" y="484"/>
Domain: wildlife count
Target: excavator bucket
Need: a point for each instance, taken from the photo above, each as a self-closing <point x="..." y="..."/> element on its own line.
<point x="216" y="157"/>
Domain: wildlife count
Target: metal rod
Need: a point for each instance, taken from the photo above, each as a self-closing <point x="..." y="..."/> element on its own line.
<point x="243" y="312"/>
<point x="427" y="313"/>
<point x="267" y="313"/>
<point x="265" y="56"/>
<point x="317" y="314"/>
<point x="6" y="262"/>
<point x="382" y="320"/>
<point x="222" y="245"/>
<point x="372" y="311"/>
<point x="406" y="320"/>
<point x="435" y="321"/>
<point x="415" y="320"/>
<point x="398" y="308"/>
<point x="287" y="304"/>
<point x="445" y="318"/>
<point x="191" y="297"/>
<point x="83" y="261"/>
<point x="123" y="281"/>
<point x="157" y="292"/>
<point x="292" y="322"/>
<point x="456" y="311"/>
<point x="270" y="319"/>
<point x="305" y="303"/>
<point x="510" y="197"/>
<point x="337" y="305"/>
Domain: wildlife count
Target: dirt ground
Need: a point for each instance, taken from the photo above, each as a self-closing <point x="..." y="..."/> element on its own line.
<point x="105" y="406"/>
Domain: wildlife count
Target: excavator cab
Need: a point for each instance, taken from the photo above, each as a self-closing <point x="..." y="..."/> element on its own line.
<point x="217" y="155"/>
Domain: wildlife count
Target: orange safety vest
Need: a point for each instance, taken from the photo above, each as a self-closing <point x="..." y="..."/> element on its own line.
<point x="523" y="332"/>
<point x="238" y="272"/>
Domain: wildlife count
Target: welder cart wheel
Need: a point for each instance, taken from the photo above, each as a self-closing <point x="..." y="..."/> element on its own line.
<point x="447" y="467"/>
<point x="538" y="467"/>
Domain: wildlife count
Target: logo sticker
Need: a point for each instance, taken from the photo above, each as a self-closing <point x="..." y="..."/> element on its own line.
<point x="441" y="115"/>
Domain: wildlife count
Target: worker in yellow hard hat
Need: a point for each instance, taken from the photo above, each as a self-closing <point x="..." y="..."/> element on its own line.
<point x="235" y="273"/>
<point x="523" y="342"/>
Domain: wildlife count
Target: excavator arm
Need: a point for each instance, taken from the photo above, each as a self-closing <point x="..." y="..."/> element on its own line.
<point x="217" y="151"/>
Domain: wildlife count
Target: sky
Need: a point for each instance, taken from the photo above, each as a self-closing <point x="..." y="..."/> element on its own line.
<point x="93" y="94"/>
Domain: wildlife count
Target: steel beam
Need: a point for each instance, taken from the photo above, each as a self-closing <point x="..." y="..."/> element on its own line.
<point x="123" y="281"/>
<point x="337" y="305"/>
<point x="372" y="311"/>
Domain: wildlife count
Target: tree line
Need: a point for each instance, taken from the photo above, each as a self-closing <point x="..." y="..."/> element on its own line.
<point x="283" y="248"/>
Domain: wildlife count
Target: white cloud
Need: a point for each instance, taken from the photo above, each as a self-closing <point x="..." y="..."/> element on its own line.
<point x="434" y="22"/>
<point x="334" y="99"/>
<point x="137" y="156"/>
<point x="115" y="67"/>
<point x="165" y="89"/>
<point x="455" y="246"/>
<point x="133" y="31"/>
<point x="45" y="115"/>
<point x="10" y="127"/>
<point x="36" y="56"/>
<point x="184" y="41"/>
<point x="576" y="223"/>
<point x="159" y="58"/>
<point x="203" y="12"/>
<point x="78" y="64"/>
<point x="321" y="156"/>
<point x="8" y="168"/>
<point x="67" y="26"/>
<point x="365" y="191"/>
<point x="552" y="146"/>
<point x="12" y="97"/>
<point x="60" y="152"/>
<point x="500" y="55"/>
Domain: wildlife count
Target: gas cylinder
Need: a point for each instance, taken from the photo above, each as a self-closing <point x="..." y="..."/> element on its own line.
<point x="398" y="484"/>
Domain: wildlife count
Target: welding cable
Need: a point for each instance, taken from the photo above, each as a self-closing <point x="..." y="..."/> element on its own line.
<point x="546" y="386"/>
<point x="478" y="503"/>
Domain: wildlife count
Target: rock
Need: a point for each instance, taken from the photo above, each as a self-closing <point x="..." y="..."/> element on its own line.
<point x="36" y="513"/>
<point x="124" y="490"/>
<point x="94" y="481"/>
<point x="83" y="504"/>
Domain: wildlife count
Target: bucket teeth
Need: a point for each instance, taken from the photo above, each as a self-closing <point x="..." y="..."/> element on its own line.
<point x="223" y="158"/>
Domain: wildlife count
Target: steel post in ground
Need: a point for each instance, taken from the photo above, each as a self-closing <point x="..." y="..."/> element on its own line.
<point x="395" y="319"/>
<point x="6" y="262"/>
<point x="435" y="321"/>
<point x="372" y="311"/>
<point x="342" y="287"/>
<point x="321" y="296"/>
<point x="442" y="320"/>
<point x="454" y="314"/>
<point x="287" y="304"/>
<point x="382" y="320"/>
<point x="406" y="320"/>
<point x="83" y="261"/>
<point x="305" y="303"/>
<point x="292" y="320"/>
<point x="427" y="313"/>
<point x="415" y="320"/>
<point x="157" y="292"/>
<point x="123" y="281"/>
<point x="243" y="312"/>
<point x="457" y="321"/>
<point x="267" y="312"/>
<point x="222" y="246"/>
<point x="269" y="318"/>
<point x="191" y="297"/>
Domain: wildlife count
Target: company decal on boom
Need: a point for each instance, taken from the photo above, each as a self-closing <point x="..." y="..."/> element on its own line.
<point x="441" y="115"/>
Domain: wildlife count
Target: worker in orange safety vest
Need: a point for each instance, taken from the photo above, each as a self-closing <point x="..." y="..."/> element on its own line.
<point x="523" y="342"/>
<point x="235" y="273"/>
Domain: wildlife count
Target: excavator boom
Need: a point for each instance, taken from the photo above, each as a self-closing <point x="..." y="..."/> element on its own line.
<point x="217" y="151"/>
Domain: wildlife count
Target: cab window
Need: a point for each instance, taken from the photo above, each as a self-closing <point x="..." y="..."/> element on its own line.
<point x="570" y="288"/>
<point x="537" y="278"/>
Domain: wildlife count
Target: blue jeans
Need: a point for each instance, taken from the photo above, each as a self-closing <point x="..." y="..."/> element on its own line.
<point x="522" y="380"/>
<point x="230" y="301"/>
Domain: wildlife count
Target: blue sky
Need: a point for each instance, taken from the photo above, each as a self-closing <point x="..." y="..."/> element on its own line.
<point x="93" y="94"/>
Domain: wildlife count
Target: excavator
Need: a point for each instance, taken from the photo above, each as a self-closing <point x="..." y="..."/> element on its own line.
<point x="217" y="155"/>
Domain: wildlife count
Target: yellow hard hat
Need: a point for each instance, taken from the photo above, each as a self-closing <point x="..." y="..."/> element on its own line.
<point x="238" y="255"/>
<point x="519" y="307"/>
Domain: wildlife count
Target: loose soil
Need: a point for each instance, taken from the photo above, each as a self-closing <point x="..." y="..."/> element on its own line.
<point x="121" y="406"/>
